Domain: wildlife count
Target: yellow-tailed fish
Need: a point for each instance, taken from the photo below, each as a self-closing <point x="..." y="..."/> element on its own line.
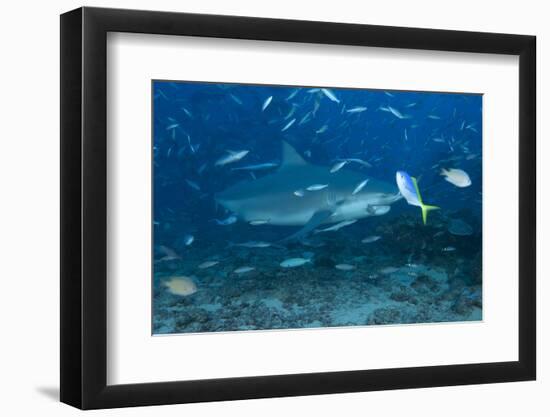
<point x="408" y="187"/>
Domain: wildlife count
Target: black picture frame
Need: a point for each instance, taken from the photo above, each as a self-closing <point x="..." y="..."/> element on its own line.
<point x="84" y="207"/>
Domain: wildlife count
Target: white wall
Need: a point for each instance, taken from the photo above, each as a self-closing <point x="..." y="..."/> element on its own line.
<point x="29" y="207"/>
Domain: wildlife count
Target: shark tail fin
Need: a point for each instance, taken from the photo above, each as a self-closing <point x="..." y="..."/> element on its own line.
<point x="425" y="209"/>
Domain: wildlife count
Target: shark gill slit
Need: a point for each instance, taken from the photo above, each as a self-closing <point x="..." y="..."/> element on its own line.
<point x="331" y="198"/>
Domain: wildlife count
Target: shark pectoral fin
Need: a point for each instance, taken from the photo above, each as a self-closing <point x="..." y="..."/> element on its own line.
<point x="312" y="223"/>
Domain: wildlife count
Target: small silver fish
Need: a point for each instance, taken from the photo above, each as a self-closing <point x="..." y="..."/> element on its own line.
<point x="358" y="109"/>
<point x="190" y="144"/>
<point x="208" y="264"/>
<point x="256" y="167"/>
<point x="337" y="226"/>
<point x="288" y="125"/>
<point x="169" y="253"/>
<point x="253" y="244"/>
<point x="330" y="95"/>
<point x="312" y="243"/>
<point x="371" y="239"/>
<point x="244" y="269"/>
<point x="322" y="129"/>
<point x="193" y="184"/>
<point x="448" y="249"/>
<point x="236" y="99"/>
<point x="293" y="94"/>
<point x="316" y="106"/>
<point x="396" y="112"/>
<point x="161" y="94"/>
<point x="388" y="270"/>
<point x="233" y="156"/>
<point x="338" y="166"/>
<point x="360" y="186"/>
<point x="294" y="262"/>
<point x="299" y="193"/>
<point x="202" y="168"/>
<point x="316" y="187"/>
<point x="291" y="112"/>
<point x="358" y="161"/>
<point x="267" y="102"/>
<point x="188" y="239"/>
<point x="305" y="119"/>
<point x="345" y="267"/>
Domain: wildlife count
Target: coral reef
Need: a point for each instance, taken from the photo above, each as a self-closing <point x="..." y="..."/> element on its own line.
<point x="405" y="277"/>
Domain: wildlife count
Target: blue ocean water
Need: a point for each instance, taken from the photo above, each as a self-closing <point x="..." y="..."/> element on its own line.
<point x="277" y="207"/>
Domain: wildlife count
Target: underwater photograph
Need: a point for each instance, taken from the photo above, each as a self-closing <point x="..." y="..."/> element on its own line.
<point x="290" y="207"/>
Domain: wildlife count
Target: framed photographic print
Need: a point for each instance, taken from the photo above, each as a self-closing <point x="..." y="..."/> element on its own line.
<point x="257" y="208"/>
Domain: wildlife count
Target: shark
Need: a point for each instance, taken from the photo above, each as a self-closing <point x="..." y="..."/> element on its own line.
<point x="323" y="197"/>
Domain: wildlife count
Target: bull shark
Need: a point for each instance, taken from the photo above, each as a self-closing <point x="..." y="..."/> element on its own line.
<point x="274" y="198"/>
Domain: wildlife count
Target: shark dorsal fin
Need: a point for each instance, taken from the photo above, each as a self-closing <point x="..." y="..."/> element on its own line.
<point x="290" y="157"/>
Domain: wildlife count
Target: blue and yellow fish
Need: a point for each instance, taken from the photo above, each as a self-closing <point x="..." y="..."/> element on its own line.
<point x="408" y="187"/>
